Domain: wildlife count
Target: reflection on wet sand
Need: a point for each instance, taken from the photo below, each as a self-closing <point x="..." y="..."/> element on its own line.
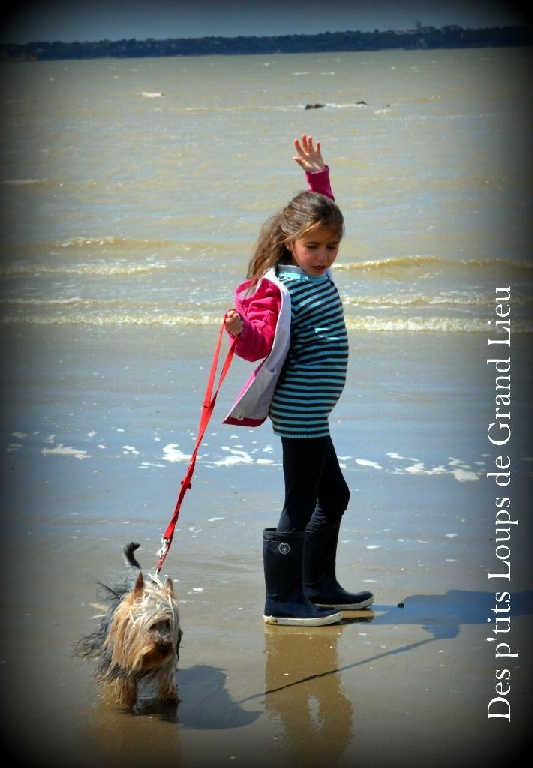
<point x="304" y="695"/>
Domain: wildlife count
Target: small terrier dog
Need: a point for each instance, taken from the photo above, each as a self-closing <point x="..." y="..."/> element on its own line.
<point x="137" y="643"/>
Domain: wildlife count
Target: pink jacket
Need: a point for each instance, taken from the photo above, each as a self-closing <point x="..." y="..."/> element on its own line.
<point x="266" y="333"/>
<point x="266" y="313"/>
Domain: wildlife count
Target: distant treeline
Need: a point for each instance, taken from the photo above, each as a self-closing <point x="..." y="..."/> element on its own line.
<point x="422" y="37"/>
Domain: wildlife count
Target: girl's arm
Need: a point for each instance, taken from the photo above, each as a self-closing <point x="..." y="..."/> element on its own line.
<point x="310" y="160"/>
<point x="253" y="322"/>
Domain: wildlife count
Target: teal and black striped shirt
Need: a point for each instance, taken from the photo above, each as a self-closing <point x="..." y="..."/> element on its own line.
<point x="314" y="372"/>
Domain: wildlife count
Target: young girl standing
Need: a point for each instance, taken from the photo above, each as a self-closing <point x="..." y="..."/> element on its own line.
<point x="289" y="312"/>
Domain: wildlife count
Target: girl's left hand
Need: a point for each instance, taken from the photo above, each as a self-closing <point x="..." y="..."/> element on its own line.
<point x="309" y="157"/>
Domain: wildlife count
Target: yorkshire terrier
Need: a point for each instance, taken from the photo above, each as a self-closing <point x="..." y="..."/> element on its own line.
<point x="137" y="643"/>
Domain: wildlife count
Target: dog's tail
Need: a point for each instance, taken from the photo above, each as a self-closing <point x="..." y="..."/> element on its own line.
<point x="129" y="549"/>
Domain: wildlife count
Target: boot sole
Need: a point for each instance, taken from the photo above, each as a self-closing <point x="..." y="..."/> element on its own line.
<point x="290" y="621"/>
<point x="346" y="606"/>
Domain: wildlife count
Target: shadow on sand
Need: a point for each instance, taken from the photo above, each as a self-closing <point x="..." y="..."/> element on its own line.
<point x="442" y="616"/>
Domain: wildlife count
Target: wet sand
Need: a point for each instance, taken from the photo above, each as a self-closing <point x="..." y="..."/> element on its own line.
<point x="393" y="686"/>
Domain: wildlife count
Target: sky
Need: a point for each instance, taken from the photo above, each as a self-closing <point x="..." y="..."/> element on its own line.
<point x="25" y="21"/>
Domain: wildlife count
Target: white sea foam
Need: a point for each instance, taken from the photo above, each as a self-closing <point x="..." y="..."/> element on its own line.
<point x="367" y="463"/>
<point x="62" y="450"/>
<point x="394" y="463"/>
<point x="172" y="453"/>
<point x="462" y="471"/>
<point x="236" y="457"/>
<point x="463" y="475"/>
<point x="394" y="455"/>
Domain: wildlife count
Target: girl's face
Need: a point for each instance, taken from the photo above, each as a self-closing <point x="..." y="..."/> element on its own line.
<point x="315" y="251"/>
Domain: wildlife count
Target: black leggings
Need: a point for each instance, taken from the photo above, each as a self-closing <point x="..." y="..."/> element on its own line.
<point x="315" y="487"/>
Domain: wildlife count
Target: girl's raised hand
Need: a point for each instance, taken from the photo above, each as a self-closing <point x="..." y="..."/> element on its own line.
<point x="309" y="157"/>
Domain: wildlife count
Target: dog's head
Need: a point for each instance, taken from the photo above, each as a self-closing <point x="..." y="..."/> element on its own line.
<point x="145" y="630"/>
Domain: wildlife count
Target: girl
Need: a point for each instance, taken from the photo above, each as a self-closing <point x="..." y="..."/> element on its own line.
<point x="289" y="312"/>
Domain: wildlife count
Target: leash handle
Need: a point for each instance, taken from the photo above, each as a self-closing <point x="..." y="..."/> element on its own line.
<point x="208" y="406"/>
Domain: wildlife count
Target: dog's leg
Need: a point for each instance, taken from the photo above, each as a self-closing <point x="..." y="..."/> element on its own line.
<point x="166" y="684"/>
<point x="127" y="692"/>
<point x="168" y="693"/>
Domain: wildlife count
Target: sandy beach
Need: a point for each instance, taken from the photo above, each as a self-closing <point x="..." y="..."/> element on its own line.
<point x="406" y="683"/>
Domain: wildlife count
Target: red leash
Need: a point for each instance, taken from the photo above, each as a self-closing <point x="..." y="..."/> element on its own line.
<point x="207" y="412"/>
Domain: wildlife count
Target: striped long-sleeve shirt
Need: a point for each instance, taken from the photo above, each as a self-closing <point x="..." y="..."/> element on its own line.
<point x="315" y="369"/>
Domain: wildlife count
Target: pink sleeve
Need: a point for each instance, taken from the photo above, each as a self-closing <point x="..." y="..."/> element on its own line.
<point x="319" y="182"/>
<point x="259" y="313"/>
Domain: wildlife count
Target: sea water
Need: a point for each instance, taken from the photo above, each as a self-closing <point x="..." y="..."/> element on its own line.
<point x="133" y="190"/>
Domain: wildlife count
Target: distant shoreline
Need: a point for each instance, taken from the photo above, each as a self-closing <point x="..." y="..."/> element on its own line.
<point x="421" y="38"/>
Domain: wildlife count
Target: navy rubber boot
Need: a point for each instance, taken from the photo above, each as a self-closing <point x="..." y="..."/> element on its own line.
<point x="286" y="602"/>
<point x="319" y="581"/>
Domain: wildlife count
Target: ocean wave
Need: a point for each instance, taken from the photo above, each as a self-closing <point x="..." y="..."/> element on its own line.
<point x="428" y="260"/>
<point x="19" y="301"/>
<point x="44" y="183"/>
<point x="134" y="259"/>
<point x="112" y="320"/>
<point x="107" y="255"/>
<point x="402" y="300"/>
<point x="113" y="241"/>
<point x="450" y="298"/>
<point x="153" y="319"/>
<point x="428" y="325"/>
<point x="82" y="243"/>
<point x="98" y="269"/>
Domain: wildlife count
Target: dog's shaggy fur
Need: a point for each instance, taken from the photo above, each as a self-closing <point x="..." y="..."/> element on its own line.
<point x="137" y="642"/>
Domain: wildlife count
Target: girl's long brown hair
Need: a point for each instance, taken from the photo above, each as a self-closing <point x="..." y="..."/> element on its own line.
<point x="306" y="211"/>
